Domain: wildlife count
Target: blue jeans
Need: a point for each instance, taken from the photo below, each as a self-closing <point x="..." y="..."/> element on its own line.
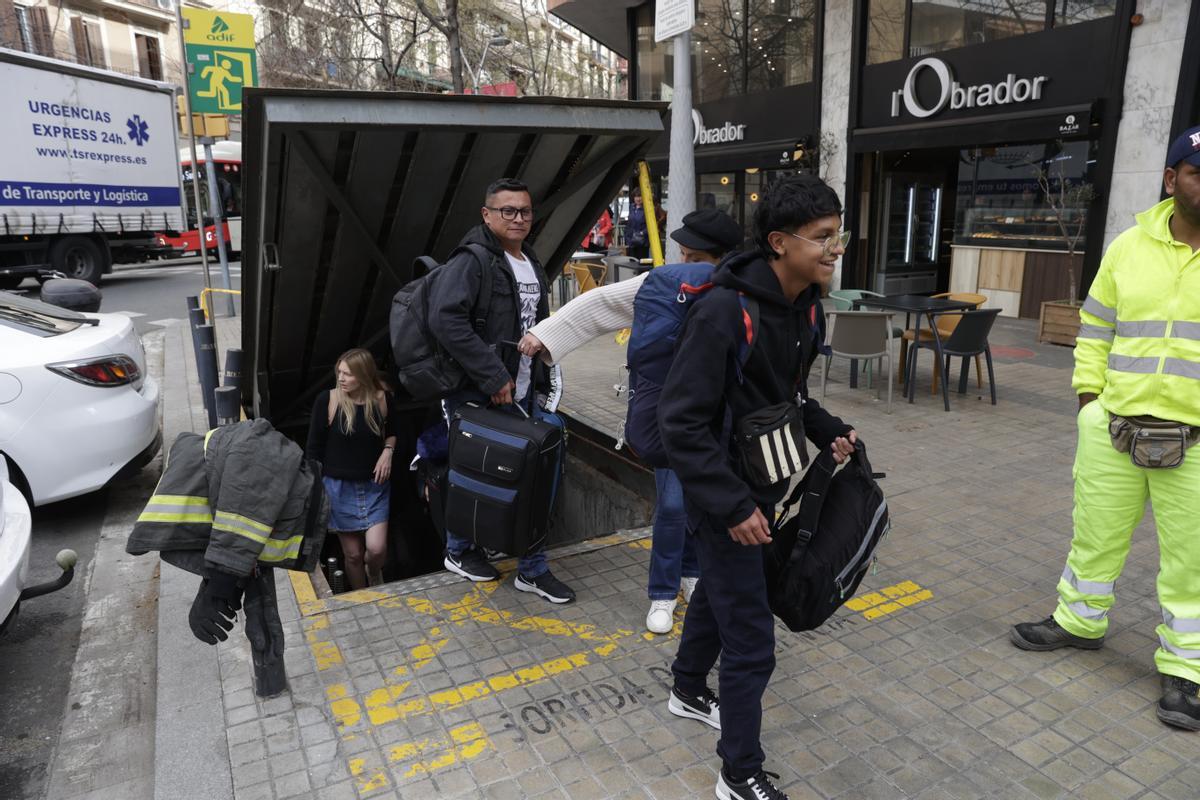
<point x="672" y="550"/>
<point x="532" y="565"/>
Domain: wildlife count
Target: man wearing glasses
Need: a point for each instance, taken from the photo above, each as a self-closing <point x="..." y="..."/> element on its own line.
<point x="498" y="371"/>
<point x="798" y="238"/>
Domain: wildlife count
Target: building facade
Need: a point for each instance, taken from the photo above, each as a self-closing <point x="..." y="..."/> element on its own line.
<point x="983" y="146"/>
<point x="131" y="37"/>
<point x="507" y="47"/>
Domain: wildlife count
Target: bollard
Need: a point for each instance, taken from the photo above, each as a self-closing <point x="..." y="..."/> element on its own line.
<point x="206" y="368"/>
<point x="337" y="582"/>
<point x="233" y="368"/>
<point x="195" y="320"/>
<point x="229" y="409"/>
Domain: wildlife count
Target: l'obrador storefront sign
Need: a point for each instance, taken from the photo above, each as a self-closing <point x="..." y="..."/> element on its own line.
<point x="1020" y="88"/>
<point x="951" y="94"/>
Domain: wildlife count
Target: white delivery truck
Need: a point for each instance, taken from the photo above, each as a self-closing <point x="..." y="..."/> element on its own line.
<point x="89" y="169"/>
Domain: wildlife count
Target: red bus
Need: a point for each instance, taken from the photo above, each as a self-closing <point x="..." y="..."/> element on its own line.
<point x="227" y="159"/>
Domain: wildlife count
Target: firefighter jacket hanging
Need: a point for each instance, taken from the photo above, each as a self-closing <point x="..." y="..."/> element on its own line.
<point x="1139" y="351"/>
<point x="244" y="494"/>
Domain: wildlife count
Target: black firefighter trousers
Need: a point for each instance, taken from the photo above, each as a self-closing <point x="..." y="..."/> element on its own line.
<point x="729" y="617"/>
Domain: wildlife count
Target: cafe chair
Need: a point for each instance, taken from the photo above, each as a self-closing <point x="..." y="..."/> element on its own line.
<point x="836" y="303"/>
<point x="848" y="296"/>
<point x="969" y="340"/>
<point x="945" y="325"/>
<point x="584" y="276"/>
<point x="861" y="335"/>
<point x="615" y="263"/>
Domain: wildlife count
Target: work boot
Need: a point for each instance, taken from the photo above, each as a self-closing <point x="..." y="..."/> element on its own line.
<point x="1179" y="705"/>
<point x="1049" y="635"/>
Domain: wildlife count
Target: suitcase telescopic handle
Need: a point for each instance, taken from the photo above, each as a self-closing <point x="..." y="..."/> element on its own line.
<point x="513" y="345"/>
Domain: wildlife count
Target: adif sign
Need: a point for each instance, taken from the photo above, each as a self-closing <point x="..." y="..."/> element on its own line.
<point x="954" y="95"/>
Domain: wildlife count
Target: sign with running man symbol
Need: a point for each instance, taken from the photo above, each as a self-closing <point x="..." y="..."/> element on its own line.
<point x="220" y="59"/>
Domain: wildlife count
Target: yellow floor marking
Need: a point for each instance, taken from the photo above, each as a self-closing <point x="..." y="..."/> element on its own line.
<point x="424" y="653"/>
<point x="888" y="600"/>
<point x="472" y="607"/>
<point x="326" y="654"/>
<point x="306" y="595"/>
<point x="466" y="742"/>
<point x="642" y="544"/>
<point x="345" y="709"/>
<point x="376" y="779"/>
<point x="382" y="706"/>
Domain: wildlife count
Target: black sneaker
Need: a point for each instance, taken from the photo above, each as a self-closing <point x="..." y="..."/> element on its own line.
<point x="1049" y="635"/>
<point x="471" y="565"/>
<point x="1180" y="703"/>
<point x="757" y="788"/>
<point x="545" y="585"/>
<point x="705" y="708"/>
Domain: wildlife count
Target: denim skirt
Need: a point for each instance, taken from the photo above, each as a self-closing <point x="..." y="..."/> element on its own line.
<point x="356" y="505"/>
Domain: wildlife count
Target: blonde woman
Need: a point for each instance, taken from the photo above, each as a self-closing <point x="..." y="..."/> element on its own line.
<point x="353" y="435"/>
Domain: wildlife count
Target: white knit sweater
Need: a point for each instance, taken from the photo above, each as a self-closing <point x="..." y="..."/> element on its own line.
<point x="605" y="309"/>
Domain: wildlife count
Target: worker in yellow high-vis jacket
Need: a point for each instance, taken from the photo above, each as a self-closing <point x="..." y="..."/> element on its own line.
<point x="1138" y="357"/>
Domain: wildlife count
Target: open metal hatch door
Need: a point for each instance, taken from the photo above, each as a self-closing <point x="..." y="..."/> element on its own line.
<point x="343" y="190"/>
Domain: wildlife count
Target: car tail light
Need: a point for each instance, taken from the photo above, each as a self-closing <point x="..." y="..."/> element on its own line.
<point x="102" y="371"/>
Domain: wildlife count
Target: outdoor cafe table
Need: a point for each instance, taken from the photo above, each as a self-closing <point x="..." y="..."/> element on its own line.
<point x="920" y="306"/>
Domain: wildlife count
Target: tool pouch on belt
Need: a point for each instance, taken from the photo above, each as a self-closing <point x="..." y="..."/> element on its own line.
<point x="1152" y="443"/>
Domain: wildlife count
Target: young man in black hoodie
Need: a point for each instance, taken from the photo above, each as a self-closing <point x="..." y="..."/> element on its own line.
<point x="499" y="373"/>
<point x="798" y="237"/>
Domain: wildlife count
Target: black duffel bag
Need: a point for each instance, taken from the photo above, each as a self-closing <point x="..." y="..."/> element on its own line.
<point x="819" y="554"/>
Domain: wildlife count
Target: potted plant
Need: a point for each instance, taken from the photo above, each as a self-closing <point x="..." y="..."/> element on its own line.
<point x="1059" y="319"/>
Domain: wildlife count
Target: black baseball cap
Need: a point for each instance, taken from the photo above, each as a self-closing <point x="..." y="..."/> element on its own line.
<point x="709" y="230"/>
<point x="1185" y="148"/>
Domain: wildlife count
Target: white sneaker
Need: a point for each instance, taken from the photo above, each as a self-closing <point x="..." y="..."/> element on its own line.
<point x="661" y="617"/>
<point x="689" y="587"/>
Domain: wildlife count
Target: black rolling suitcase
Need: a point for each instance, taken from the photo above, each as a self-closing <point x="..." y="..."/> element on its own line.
<point x="504" y="472"/>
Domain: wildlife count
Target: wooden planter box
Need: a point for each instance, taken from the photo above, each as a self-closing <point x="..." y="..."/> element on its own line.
<point x="1059" y="322"/>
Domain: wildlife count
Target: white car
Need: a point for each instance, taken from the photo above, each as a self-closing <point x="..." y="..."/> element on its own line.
<point x="14" y="554"/>
<point x="77" y="408"/>
<point x="14" y="546"/>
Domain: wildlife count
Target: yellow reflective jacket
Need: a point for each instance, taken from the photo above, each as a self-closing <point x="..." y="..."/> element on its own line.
<point x="243" y="494"/>
<point x="1139" y="341"/>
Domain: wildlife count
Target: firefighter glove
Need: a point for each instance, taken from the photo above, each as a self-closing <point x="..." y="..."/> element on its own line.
<point x="215" y="607"/>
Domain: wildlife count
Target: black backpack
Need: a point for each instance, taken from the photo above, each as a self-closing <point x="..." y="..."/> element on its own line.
<point x="819" y="555"/>
<point x="425" y="369"/>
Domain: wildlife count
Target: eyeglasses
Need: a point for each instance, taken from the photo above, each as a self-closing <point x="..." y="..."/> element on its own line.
<point x="828" y="243"/>
<point x="509" y="213"/>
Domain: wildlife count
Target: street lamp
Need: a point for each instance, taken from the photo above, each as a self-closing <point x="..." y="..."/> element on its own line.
<point x="497" y="40"/>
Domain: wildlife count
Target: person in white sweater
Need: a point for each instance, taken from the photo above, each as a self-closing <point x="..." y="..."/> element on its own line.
<point x="706" y="236"/>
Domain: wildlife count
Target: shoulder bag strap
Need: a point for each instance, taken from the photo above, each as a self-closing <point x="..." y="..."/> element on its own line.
<point x="483" y="299"/>
<point x="810" y="495"/>
<point x="749" y="333"/>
